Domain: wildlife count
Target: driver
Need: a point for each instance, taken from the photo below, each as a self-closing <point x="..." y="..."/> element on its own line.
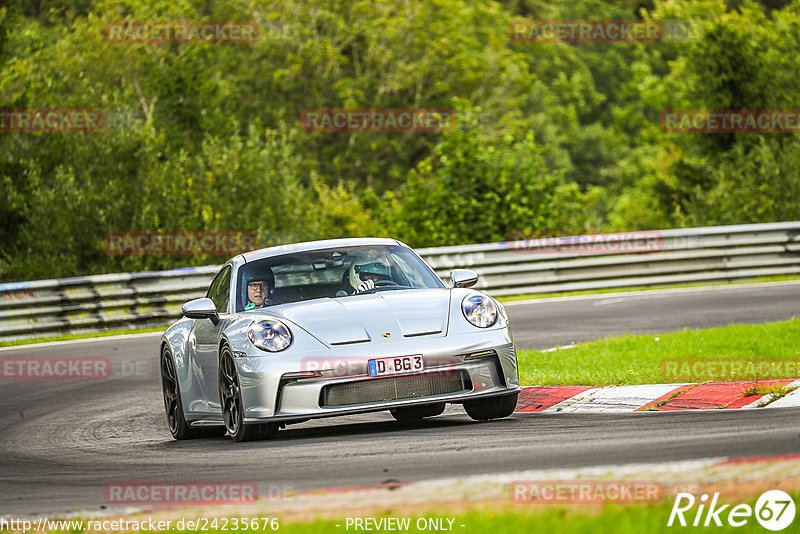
<point x="364" y="276"/>
<point x="258" y="290"/>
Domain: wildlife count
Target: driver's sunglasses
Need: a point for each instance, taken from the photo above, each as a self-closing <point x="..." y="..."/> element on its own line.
<point x="256" y="285"/>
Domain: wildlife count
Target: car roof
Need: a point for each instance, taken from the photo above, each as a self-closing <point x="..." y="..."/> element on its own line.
<point x="317" y="245"/>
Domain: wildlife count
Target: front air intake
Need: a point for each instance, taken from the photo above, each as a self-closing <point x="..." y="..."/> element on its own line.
<point x="395" y="388"/>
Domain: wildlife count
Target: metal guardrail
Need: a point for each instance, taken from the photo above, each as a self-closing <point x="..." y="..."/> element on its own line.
<point x="634" y="259"/>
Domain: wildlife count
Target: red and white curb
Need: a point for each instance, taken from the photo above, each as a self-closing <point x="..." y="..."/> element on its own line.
<point x="655" y="397"/>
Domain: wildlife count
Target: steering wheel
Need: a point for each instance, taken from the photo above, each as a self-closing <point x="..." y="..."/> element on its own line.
<point x="383" y="283"/>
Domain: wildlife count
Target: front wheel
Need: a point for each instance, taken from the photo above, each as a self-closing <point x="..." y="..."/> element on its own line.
<point x="492" y="408"/>
<point x="176" y="421"/>
<point x="230" y="396"/>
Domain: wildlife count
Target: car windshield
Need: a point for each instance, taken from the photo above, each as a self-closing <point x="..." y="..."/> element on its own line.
<point x="331" y="273"/>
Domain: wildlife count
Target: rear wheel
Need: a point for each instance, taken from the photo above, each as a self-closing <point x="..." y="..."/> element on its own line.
<point x="416" y="413"/>
<point x="230" y="396"/>
<point x="491" y="408"/>
<point x="176" y="421"/>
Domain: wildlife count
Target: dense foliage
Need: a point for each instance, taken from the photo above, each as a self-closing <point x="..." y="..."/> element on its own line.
<point x="553" y="136"/>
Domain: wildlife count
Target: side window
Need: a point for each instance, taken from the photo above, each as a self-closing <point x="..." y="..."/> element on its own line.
<point x="220" y="290"/>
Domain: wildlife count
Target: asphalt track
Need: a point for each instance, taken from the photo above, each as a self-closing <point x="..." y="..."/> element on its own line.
<point x="61" y="442"/>
<point x="560" y="321"/>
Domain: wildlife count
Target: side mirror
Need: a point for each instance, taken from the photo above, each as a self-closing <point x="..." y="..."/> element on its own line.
<point x="201" y="309"/>
<point x="463" y="277"/>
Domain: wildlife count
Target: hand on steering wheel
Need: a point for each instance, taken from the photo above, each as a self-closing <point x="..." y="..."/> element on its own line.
<point x="366" y="285"/>
<point x="369" y="284"/>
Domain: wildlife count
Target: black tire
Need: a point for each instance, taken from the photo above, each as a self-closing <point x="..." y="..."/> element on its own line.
<point x="491" y="408"/>
<point x="416" y="413"/>
<point x="230" y="397"/>
<point x="173" y="406"/>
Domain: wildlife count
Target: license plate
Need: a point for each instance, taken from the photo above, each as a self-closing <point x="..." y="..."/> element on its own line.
<point x="395" y="365"/>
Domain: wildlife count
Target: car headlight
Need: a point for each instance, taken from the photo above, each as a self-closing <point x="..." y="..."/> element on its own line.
<point x="479" y="310"/>
<point x="270" y="335"/>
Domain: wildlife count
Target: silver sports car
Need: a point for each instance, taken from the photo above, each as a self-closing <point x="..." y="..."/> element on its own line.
<point x="337" y="327"/>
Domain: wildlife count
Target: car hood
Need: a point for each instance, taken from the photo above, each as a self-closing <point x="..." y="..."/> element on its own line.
<point x="385" y="316"/>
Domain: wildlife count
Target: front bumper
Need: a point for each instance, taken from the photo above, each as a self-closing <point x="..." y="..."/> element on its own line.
<point x="458" y="369"/>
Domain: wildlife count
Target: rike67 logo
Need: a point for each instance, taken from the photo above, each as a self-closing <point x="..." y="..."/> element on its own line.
<point x="774" y="510"/>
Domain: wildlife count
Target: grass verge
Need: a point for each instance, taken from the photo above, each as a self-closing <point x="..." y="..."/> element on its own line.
<point x="609" y="518"/>
<point x="765" y="351"/>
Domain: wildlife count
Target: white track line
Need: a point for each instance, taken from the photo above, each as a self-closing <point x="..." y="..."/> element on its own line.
<point x="649" y="292"/>
<point x="614" y="398"/>
<point x="792" y="399"/>
<point x="83" y="340"/>
<point x="676" y="467"/>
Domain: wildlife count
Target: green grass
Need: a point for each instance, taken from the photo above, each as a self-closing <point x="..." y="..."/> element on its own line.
<point x="774" y="389"/>
<point x="630" y="519"/>
<point x="523" y="518"/>
<point x="530" y="296"/>
<point x="638" y="359"/>
<point x="69" y="337"/>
